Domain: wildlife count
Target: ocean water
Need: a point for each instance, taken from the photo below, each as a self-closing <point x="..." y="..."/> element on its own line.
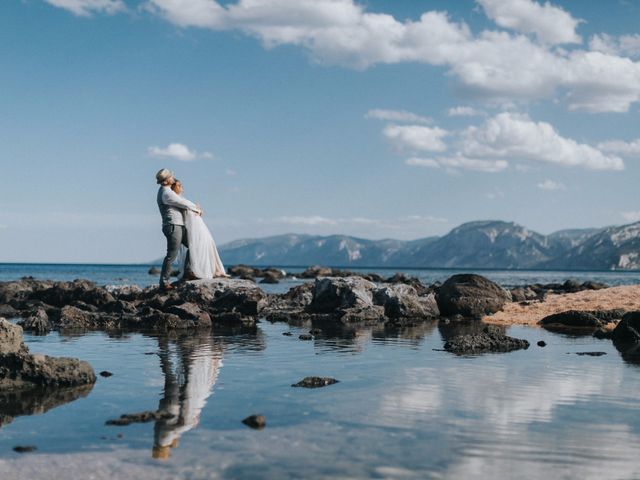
<point x="402" y="408"/>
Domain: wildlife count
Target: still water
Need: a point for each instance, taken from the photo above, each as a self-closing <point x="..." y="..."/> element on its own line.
<point x="402" y="408"/>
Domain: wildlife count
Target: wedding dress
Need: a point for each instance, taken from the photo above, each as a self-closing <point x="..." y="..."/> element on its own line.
<point x="204" y="261"/>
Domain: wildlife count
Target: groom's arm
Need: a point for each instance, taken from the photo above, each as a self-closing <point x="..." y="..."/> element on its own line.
<point x="171" y="198"/>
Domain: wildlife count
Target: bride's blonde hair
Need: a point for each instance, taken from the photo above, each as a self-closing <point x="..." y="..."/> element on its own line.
<point x="174" y="185"/>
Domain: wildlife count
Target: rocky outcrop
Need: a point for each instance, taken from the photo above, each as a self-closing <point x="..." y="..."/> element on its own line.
<point x="626" y="337"/>
<point x="490" y="339"/>
<point x="471" y="295"/>
<point x="571" y="321"/>
<point x="20" y="369"/>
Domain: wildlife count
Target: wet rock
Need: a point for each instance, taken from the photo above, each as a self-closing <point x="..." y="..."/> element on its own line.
<point x="7" y="311"/>
<point x="257" y="422"/>
<point x="305" y="336"/>
<point x="140" y="417"/>
<point x="608" y="316"/>
<point x="315" y="382"/>
<point x="591" y="354"/>
<point x="627" y="332"/>
<point x="124" y="292"/>
<point x="275" y="273"/>
<point x="155" y="271"/>
<point x="491" y="339"/>
<point x="571" y="321"/>
<point x="74" y="318"/>
<point x="20" y="369"/>
<point x="601" y="333"/>
<point x="287" y="334"/>
<point x="524" y="294"/>
<point x="61" y="294"/>
<point x="366" y="315"/>
<point x="542" y="343"/>
<point x="38" y="322"/>
<point x="315" y="331"/>
<point x="471" y="295"/>
<point x="121" y="306"/>
<point x="191" y="311"/>
<point x="246" y="301"/>
<point x="106" y="374"/>
<point x="24" y="448"/>
<point x="242" y="271"/>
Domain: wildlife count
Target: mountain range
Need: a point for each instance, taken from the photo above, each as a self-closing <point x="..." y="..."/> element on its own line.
<point x="480" y="244"/>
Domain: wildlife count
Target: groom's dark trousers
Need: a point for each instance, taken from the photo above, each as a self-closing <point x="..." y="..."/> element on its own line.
<point x="176" y="235"/>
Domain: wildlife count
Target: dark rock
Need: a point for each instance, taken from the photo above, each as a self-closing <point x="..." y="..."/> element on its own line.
<point x="491" y="339"/>
<point x="524" y="294"/>
<point x="304" y="336"/>
<point x="274" y="273"/>
<point x="315" y="331"/>
<point x="257" y="422"/>
<point x="154" y="271"/>
<point x="24" y="448"/>
<point x="191" y="311"/>
<point x="331" y="294"/>
<point x="141" y="417"/>
<point x="591" y="354"/>
<point x="287" y="334"/>
<point x="242" y="271"/>
<point x="571" y="321"/>
<point x="608" y="316"/>
<point x="589" y="285"/>
<point x="471" y="296"/>
<point x="120" y="306"/>
<point x="402" y="301"/>
<point x="74" y="318"/>
<point x="627" y="332"/>
<point x="270" y="278"/>
<point x="7" y="311"/>
<point x="37" y="322"/>
<point x="601" y="333"/>
<point x="542" y="343"/>
<point x="572" y="286"/>
<point x="316" y="271"/>
<point x="315" y="382"/>
<point x="105" y="374"/>
<point x="243" y="300"/>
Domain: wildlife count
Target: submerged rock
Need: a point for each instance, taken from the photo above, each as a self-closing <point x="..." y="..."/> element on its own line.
<point x="140" y="417"/>
<point x="471" y="295"/>
<point x="491" y="339"/>
<point x="257" y="422"/>
<point x="315" y="382"/>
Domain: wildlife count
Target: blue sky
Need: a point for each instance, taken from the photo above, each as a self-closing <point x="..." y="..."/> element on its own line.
<point x="380" y="119"/>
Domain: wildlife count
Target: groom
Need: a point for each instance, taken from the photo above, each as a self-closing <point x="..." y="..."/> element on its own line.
<point x="171" y="206"/>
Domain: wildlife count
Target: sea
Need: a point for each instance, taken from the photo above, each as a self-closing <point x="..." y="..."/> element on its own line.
<point x="402" y="408"/>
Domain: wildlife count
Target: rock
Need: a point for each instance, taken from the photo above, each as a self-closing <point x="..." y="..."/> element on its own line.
<point x="155" y="271"/>
<point x="365" y="315"/>
<point x="608" y="316"/>
<point x="7" y="311"/>
<point x="591" y="354"/>
<point x="602" y="334"/>
<point x="120" y="306"/>
<point x="572" y="286"/>
<point x="315" y="382"/>
<point x="402" y="301"/>
<point x="242" y="271"/>
<point x="24" y="448"/>
<point x="246" y="301"/>
<point x="571" y="321"/>
<point x="627" y="332"/>
<point x="471" y="295"/>
<point x="270" y="278"/>
<point x="275" y="273"/>
<point x="73" y="318"/>
<point x="10" y="338"/>
<point x="542" y="343"/>
<point x="124" y="292"/>
<point x="106" y="374"/>
<point x="37" y="322"/>
<point x="305" y="336"/>
<point x="523" y="294"/>
<point x="287" y="334"/>
<point x="61" y="294"/>
<point x="491" y="339"/>
<point x="191" y="311"/>
<point x="330" y="294"/>
<point x="257" y="422"/>
<point x="141" y="417"/>
<point x="316" y="271"/>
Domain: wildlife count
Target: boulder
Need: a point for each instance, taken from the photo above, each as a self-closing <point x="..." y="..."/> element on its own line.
<point x="10" y="337"/>
<point x="243" y="300"/>
<point x="402" y="301"/>
<point x="242" y="271"/>
<point x="331" y="294"/>
<point x="627" y="332"/>
<point x="191" y="311"/>
<point x="571" y="321"/>
<point x="38" y="322"/>
<point x="491" y="339"/>
<point x="154" y="271"/>
<point x="471" y="295"/>
<point x="316" y="271"/>
<point x="269" y="277"/>
<point x="524" y="294"/>
<point x="315" y="382"/>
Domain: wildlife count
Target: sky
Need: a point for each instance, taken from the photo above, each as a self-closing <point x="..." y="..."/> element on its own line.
<point x="378" y="118"/>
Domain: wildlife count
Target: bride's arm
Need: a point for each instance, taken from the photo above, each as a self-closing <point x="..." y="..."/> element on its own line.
<point x="171" y="198"/>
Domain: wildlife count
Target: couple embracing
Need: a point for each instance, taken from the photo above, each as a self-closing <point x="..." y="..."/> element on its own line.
<point x="182" y="225"/>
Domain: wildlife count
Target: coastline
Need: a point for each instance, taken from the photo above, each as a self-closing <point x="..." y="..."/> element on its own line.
<point x="626" y="297"/>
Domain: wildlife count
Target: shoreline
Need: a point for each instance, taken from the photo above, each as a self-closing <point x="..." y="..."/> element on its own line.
<point x="626" y="297"/>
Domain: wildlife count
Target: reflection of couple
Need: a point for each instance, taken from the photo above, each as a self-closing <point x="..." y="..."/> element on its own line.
<point x="182" y="224"/>
<point x="190" y="372"/>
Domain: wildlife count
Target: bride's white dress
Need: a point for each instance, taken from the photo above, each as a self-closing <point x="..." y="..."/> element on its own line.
<point x="203" y="254"/>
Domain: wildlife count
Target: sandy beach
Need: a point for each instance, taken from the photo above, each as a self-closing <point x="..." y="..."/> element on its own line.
<point x="626" y="297"/>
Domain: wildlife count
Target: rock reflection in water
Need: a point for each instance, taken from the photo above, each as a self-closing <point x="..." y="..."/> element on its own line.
<point x="35" y="401"/>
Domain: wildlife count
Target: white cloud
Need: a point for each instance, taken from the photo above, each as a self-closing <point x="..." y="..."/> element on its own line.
<point x="397" y="116"/>
<point x="517" y="137"/>
<point x="230" y="172"/>
<point x="464" y="112"/>
<point x="551" y="185"/>
<point x="620" y="147"/>
<point x="309" y="221"/>
<point x="550" y="24"/>
<point x="178" y="151"/>
<point x="85" y="8"/>
<point x="416" y="137"/>
<point x="631" y="217"/>
<point x="627" y="45"/>
<point x="459" y="162"/>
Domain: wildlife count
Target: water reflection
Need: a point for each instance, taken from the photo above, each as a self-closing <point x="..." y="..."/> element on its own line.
<point x="190" y="367"/>
<point x="34" y="401"/>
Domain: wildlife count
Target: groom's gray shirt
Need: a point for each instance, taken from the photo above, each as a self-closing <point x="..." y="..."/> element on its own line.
<point x="171" y="206"/>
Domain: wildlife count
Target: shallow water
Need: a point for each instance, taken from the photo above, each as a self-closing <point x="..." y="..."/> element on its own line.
<point x="401" y="409"/>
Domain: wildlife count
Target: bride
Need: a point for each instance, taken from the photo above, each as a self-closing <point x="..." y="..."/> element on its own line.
<point x="204" y="261"/>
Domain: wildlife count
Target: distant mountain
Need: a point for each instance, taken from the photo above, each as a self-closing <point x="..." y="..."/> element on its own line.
<point x="481" y="244"/>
